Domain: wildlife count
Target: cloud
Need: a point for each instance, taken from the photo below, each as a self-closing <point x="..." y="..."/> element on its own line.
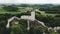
<point x="30" y="1"/>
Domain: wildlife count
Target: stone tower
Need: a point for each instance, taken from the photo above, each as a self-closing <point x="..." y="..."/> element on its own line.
<point x="33" y="15"/>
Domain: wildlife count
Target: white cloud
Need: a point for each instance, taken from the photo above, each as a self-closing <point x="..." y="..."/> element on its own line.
<point x="30" y="1"/>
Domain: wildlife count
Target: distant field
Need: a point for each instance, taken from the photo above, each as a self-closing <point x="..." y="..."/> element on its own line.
<point x="22" y="10"/>
<point x="49" y="14"/>
<point x="10" y="12"/>
<point x="2" y="11"/>
<point x="52" y="14"/>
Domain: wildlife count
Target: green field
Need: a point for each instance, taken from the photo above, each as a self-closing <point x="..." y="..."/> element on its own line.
<point x="2" y="11"/>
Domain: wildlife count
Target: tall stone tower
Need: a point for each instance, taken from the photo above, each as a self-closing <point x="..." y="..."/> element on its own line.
<point x="33" y="15"/>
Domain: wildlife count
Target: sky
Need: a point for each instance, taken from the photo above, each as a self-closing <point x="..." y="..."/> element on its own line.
<point x="31" y="1"/>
